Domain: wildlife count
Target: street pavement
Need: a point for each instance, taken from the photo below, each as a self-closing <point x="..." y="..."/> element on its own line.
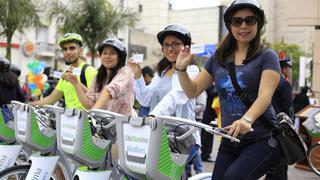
<point x="293" y="173"/>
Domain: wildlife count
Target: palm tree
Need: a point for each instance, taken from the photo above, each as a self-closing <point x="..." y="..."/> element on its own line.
<point x="17" y="15"/>
<point x="94" y="20"/>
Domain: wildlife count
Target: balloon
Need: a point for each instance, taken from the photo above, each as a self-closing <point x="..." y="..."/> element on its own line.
<point x="30" y="77"/>
<point x="38" y="78"/>
<point x="37" y="92"/>
<point x="32" y="86"/>
<point x="44" y="78"/>
<point x="46" y="86"/>
<point x="39" y="85"/>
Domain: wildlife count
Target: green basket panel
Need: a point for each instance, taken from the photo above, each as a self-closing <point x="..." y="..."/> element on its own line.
<point x="4" y="130"/>
<point x="37" y="137"/>
<point x="166" y="166"/>
<point x="89" y="149"/>
<point x="313" y="134"/>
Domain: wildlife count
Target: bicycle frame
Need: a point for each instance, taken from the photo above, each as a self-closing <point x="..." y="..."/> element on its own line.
<point x="144" y="147"/>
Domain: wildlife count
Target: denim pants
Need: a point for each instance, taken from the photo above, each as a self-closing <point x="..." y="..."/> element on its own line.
<point x="249" y="159"/>
<point x="195" y="156"/>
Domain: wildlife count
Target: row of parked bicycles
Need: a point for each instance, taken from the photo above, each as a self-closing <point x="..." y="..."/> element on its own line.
<point x="50" y="142"/>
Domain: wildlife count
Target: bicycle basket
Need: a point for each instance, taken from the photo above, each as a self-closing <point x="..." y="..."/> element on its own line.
<point x="76" y="139"/>
<point x="6" y="126"/>
<point x="144" y="149"/>
<point x="30" y="132"/>
<point x="312" y="126"/>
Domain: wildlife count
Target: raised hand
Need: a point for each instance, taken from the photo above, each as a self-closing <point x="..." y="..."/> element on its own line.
<point x="184" y="58"/>
<point x="68" y="76"/>
<point x="136" y="69"/>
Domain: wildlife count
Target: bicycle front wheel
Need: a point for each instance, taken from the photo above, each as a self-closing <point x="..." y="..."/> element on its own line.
<point x="15" y="173"/>
<point x="314" y="158"/>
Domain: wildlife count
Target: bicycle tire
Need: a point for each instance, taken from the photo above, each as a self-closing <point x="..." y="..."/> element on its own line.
<point x="314" y="158"/>
<point x="15" y="173"/>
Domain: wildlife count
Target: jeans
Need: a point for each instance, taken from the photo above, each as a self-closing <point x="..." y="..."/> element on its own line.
<point x="278" y="173"/>
<point x="195" y="156"/>
<point x="249" y="159"/>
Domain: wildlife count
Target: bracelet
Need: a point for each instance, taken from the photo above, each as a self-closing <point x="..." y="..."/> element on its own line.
<point x="180" y="70"/>
<point x="247" y="120"/>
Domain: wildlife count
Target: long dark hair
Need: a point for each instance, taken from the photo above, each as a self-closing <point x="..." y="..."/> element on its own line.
<point x="229" y="44"/>
<point x="103" y="75"/>
<point x="8" y="79"/>
<point x="162" y="65"/>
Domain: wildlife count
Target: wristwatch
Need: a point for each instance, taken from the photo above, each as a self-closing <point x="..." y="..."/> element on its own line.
<point x="247" y="120"/>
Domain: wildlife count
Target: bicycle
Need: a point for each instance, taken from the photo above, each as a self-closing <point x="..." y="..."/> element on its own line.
<point x="313" y="155"/>
<point x="314" y="158"/>
<point x="87" y="137"/>
<point x="157" y="148"/>
<point x="34" y="128"/>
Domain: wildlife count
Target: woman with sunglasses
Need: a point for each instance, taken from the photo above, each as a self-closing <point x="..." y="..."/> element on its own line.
<point x="257" y="71"/>
<point x="164" y="94"/>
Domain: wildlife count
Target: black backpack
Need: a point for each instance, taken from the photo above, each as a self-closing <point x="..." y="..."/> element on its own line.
<point x="83" y="74"/>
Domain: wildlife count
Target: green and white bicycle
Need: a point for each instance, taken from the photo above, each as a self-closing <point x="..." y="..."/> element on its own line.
<point x="34" y="129"/>
<point x="157" y="148"/>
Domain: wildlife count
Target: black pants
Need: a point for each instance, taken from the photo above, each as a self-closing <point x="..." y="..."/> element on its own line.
<point x="278" y="173"/>
<point x="248" y="160"/>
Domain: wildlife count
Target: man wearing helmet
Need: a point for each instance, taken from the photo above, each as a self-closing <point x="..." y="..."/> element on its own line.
<point x="241" y="58"/>
<point x="72" y="47"/>
<point x="112" y="88"/>
<point x="164" y="95"/>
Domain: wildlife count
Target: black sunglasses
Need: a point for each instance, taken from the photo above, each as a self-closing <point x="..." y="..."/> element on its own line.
<point x="249" y="20"/>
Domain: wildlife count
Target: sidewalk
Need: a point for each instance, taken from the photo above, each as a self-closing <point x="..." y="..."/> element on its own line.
<point x="293" y="173"/>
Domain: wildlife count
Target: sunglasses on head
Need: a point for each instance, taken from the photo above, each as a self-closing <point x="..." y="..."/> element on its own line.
<point x="249" y="20"/>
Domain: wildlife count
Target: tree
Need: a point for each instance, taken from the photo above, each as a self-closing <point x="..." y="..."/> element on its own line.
<point x="294" y="52"/>
<point x="94" y="20"/>
<point x="17" y="15"/>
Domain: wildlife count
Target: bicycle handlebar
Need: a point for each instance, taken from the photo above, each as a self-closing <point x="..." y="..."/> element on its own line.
<point x="196" y="125"/>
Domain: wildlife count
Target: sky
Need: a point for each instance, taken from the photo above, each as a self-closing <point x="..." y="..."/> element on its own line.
<point x="187" y="4"/>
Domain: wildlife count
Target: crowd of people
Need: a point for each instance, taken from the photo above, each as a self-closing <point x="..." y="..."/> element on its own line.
<point x="178" y="88"/>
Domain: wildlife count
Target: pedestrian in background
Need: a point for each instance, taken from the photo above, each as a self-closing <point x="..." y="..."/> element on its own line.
<point x="199" y="110"/>
<point x="9" y="88"/>
<point x="301" y="100"/>
<point x="209" y="115"/>
<point x="258" y="72"/>
<point x="148" y="75"/>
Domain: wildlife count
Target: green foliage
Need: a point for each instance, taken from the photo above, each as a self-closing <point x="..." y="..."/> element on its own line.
<point x="94" y="20"/>
<point x="17" y="15"/>
<point x="294" y="52"/>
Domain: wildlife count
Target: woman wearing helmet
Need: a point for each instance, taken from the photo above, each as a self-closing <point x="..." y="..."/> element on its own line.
<point x="9" y="86"/>
<point x="164" y="95"/>
<point x="257" y="71"/>
<point x="112" y="88"/>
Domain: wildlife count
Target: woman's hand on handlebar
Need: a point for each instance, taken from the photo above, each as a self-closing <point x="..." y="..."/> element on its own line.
<point x="239" y="127"/>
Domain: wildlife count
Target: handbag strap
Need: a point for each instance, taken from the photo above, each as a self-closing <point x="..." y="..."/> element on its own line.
<point x="239" y="91"/>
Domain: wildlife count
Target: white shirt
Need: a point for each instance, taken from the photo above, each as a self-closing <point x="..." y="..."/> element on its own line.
<point x="173" y="103"/>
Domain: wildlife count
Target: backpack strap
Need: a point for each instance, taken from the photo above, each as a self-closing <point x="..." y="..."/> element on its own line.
<point x="83" y="74"/>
